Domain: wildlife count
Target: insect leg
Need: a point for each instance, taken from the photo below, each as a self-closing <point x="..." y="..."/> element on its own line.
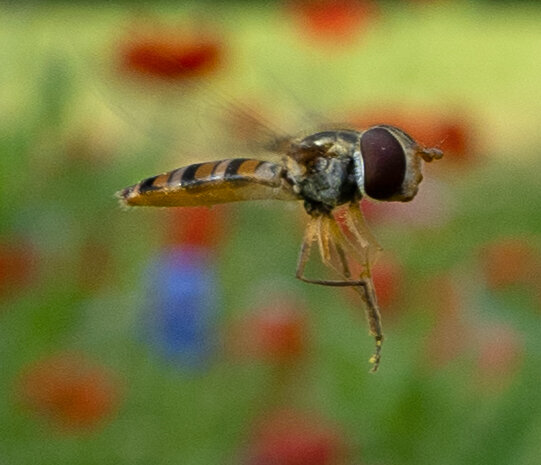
<point x="363" y="237"/>
<point x="329" y="236"/>
<point x="365" y="289"/>
<point x="373" y="316"/>
<point x="312" y="232"/>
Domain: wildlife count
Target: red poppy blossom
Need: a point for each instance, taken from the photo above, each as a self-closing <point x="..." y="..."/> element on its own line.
<point x="388" y="275"/>
<point x="510" y="261"/>
<point x="171" y="54"/>
<point x="289" y="437"/>
<point x="333" y="21"/>
<point x="499" y="357"/>
<point x="18" y="266"/>
<point x="197" y="226"/>
<point x="69" y="390"/>
<point x="275" y="332"/>
<point x="450" y="335"/>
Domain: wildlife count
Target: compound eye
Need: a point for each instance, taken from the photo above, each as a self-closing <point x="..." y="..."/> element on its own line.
<point x="384" y="163"/>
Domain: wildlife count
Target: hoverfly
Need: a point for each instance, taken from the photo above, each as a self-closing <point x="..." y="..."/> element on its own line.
<point x="325" y="170"/>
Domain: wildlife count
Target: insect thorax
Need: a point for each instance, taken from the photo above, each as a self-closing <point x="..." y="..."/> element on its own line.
<point x="328" y="184"/>
<point x="329" y="179"/>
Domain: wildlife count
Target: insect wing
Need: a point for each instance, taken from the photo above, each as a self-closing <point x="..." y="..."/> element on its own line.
<point x="145" y="75"/>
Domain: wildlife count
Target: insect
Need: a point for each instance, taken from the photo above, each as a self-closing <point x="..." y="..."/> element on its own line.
<point x="330" y="171"/>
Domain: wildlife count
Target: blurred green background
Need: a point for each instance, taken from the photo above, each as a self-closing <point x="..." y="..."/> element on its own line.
<point x="158" y="336"/>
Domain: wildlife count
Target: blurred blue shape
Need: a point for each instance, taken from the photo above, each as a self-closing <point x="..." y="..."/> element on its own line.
<point x="182" y="306"/>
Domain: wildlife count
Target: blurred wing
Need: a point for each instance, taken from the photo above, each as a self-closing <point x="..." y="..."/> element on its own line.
<point x="188" y="95"/>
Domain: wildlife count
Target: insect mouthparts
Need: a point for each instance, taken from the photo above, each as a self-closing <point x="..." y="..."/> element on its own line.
<point x="430" y="154"/>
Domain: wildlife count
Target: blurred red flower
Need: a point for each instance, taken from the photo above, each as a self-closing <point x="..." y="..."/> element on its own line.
<point x="276" y="331"/>
<point x="509" y="261"/>
<point x="197" y="226"/>
<point x="388" y="275"/>
<point x="289" y="437"/>
<point x="18" y="266"/>
<point x="69" y="390"/>
<point x="450" y="335"/>
<point x="153" y="50"/>
<point x="333" y="21"/>
<point x="500" y="353"/>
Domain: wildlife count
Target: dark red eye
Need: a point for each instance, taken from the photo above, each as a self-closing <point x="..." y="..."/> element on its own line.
<point x="384" y="163"/>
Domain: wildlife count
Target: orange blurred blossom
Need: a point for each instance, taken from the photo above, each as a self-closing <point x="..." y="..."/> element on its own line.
<point x="500" y="353"/>
<point x="171" y="54"/>
<point x="333" y="22"/>
<point x="18" y="266"/>
<point x="509" y="261"/>
<point x="289" y="437"/>
<point x="276" y="331"/>
<point x="69" y="390"/>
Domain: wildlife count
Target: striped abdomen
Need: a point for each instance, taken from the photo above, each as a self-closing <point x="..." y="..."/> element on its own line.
<point x="211" y="183"/>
